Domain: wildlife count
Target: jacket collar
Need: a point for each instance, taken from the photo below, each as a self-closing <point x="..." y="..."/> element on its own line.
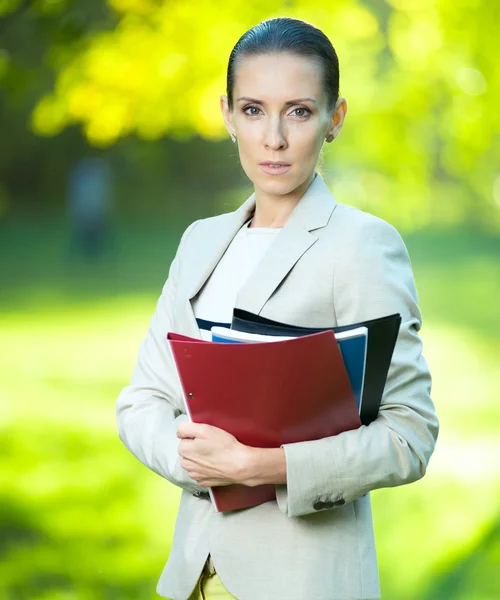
<point x="312" y="212"/>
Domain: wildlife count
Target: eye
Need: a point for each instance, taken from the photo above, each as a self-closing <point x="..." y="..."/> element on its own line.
<point x="306" y="112"/>
<point x="251" y="107"/>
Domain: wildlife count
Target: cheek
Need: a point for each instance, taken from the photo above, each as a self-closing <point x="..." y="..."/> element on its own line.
<point x="249" y="145"/>
<point x="249" y="134"/>
<point x="305" y="134"/>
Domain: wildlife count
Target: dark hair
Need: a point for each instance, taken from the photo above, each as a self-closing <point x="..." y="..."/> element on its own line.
<point x="285" y="34"/>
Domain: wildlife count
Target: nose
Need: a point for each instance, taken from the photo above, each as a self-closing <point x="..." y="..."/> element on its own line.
<point x="275" y="138"/>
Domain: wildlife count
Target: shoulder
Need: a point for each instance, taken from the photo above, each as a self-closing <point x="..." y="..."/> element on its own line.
<point x="356" y="236"/>
<point x="201" y="228"/>
<point x="207" y="224"/>
<point x="367" y="246"/>
<point x="372" y="268"/>
<point x="357" y="225"/>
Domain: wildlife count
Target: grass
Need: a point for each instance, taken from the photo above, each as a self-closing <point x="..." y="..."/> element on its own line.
<point x="81" y="519"/>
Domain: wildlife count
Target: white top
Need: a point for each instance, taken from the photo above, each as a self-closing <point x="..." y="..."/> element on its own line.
<point x="216" y="299"/>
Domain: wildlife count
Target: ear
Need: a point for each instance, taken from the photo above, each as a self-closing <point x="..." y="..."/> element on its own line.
<point x="226" y="114"/>
<point x="338" y="117"/>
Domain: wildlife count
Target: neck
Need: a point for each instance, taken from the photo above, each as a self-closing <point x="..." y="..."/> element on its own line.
<point x="273" y="211"/>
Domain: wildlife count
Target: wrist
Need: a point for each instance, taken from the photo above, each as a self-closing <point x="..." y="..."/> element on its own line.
<point x="263" y="466"/>
<point x="249" y="467"/>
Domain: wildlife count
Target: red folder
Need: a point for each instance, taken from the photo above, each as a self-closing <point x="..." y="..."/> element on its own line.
<point x="265" y="394"/>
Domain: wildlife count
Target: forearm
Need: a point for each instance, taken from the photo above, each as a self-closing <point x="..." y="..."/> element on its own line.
<point x="393" y="450"/>
<point x="148" y="429"/>
<point x="149" y="410"/>
<point x="264" y="465"/>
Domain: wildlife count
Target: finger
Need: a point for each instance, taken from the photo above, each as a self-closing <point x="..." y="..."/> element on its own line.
<point x="185" y="463"/>
<point x="189" y="466"/>
<point x="187" y="429"/>
<point x="185" y="447"/>
<point x="181" y="430"/>
<point x="194" y="474"/>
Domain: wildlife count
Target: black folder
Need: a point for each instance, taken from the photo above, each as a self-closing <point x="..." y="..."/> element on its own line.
<point x="382" y="336"/>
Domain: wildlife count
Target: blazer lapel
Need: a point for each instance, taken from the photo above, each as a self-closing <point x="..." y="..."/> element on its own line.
<point x="212" y="244"/>
<point x="313" y="211"/>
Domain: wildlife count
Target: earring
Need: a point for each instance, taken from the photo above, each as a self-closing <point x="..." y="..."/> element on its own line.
<point x="233" y="137"/>
<point x="330" y="138"/>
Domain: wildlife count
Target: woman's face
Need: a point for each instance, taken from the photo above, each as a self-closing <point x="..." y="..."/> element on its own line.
<point x="280" y="114"/>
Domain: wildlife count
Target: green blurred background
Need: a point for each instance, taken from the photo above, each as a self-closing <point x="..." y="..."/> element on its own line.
<point x="119" y="100"/>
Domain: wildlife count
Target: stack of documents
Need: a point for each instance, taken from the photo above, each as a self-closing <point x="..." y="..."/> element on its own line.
<point x="279" y="384"/>
<point x="352" y="344"/>
<point x="381" y="340"/>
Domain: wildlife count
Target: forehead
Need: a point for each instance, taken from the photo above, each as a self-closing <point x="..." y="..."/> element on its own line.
<point x="274" y="77"/>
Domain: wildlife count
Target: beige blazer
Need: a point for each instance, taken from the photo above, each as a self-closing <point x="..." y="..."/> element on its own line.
<point x="331" y="264"/>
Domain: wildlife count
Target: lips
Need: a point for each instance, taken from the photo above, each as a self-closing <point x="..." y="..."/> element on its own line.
<point x="275" y="167"/>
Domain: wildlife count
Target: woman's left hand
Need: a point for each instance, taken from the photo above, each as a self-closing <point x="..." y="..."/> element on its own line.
<point x="212" y="456"/>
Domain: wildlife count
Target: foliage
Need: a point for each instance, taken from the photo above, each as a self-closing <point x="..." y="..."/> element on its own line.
<point x="422" y="134"/>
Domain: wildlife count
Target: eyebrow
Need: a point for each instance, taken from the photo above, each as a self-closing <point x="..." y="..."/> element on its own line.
<point x="288" y="103"/>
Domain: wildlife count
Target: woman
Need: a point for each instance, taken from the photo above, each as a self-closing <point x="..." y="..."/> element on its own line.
<point x="289" y="253"/>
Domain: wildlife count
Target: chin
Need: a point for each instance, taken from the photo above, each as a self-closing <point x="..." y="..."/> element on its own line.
<point x="279" y="185"/>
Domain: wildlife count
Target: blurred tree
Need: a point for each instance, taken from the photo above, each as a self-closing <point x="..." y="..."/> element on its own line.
<point x="33" y="171"/>
<point x="422" y="135"/>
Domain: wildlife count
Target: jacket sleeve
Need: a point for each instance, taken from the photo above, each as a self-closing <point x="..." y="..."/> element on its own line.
<point x="373" y="280"/>
<point x="149" y="410"/>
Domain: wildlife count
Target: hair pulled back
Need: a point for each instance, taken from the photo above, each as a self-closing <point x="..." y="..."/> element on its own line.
<point x="293" y="36"/>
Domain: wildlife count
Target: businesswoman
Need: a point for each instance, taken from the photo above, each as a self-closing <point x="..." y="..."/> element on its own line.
<point x="290" y="253"/>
